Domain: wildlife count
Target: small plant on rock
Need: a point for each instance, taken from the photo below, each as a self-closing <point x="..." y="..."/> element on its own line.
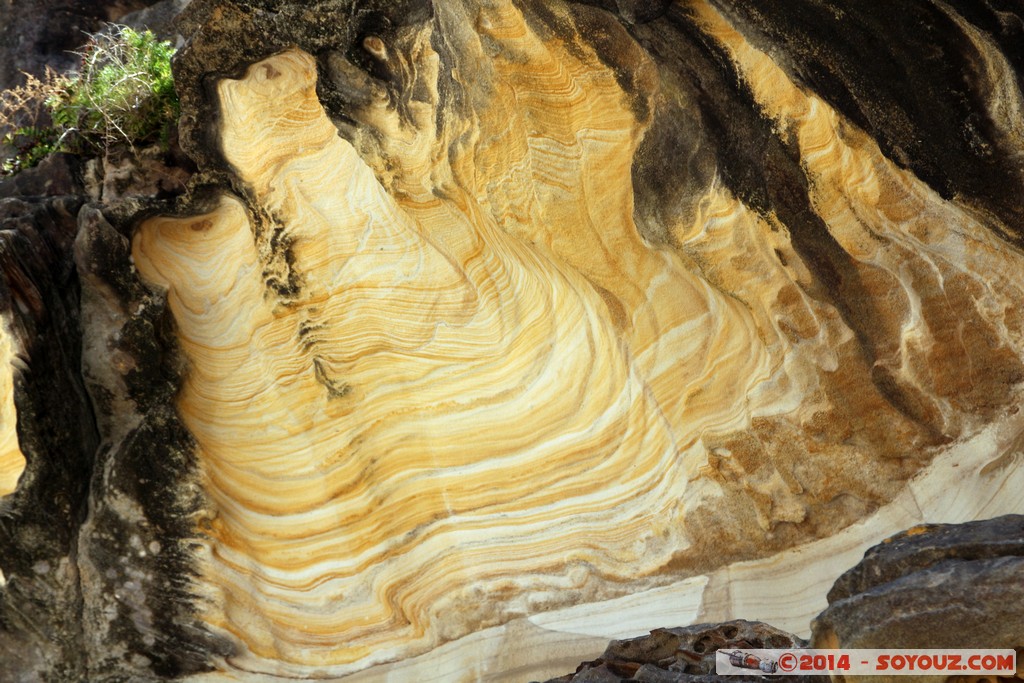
<point x="123" y="93"/>
<point x="26" y="133"/>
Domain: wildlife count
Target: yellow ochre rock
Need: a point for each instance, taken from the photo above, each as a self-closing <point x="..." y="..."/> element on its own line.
<point x="439" y="379"/>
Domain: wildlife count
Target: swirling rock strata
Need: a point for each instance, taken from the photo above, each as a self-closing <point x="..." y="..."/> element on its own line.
<point x="457" y="353"/>
<point x="480" y="319"/>
<point x="398" y="376"/>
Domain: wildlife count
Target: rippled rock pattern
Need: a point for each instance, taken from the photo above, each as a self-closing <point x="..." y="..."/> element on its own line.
<point x="452" y="361"/>
<point x="482" y="319"/>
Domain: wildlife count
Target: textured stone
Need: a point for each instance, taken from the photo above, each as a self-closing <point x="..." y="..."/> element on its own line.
<point x="158" y="17"/>
<point x="41" y="33"/>
<point x="486" y="331"/>
<point x="683" y="655"/>
<point x="424" y="233"/>
<point x="39" y="602"/>
<point x="56" y="175"/>
<point x="922" y="547"/>
<point x="935" y="586"/>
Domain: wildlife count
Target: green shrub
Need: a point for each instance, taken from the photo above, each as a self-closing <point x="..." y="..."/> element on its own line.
<point x="123" y="93"/>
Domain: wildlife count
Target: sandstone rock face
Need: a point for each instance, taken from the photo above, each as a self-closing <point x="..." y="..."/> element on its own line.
<point x="483" y="319"/>
<point x="12" y="460"/>
<point x="949" y="586"/>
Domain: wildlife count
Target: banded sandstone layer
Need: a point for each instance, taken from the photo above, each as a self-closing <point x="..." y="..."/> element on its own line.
<point x="481" y="317"/>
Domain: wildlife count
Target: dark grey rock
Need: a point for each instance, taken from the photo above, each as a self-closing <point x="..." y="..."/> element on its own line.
<point x="41" y="33"/>
<point x="158" y="18"/>
<point x="683" y="655"/>
<point x="96" y="540"/>
<point x="924" y="546"/>
<point x="56" y="175"/>
<point x="40" y="606"/>
<point x="940" y="586"/>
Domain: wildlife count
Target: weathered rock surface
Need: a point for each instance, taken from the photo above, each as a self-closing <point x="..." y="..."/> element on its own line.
<point x="55" y="433"/>
<point x="949" y="586"/>
<point x="41" y="33"/>
<point x="57" y="175"/>
<point x="446" y="240"/>
<point x="480" y="322"/>
<point x="683" y="655"/>
<point x="940" y="586"/>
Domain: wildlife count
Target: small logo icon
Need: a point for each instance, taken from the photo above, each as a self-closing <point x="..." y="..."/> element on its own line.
<point x="745" y="660"/>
